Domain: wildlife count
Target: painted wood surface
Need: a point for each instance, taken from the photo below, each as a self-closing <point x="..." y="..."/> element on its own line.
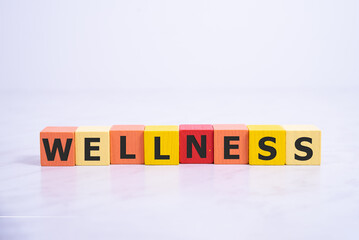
<point x="93" y="145"/>
<point x="196" y="143"/>
<point x="57" y="146"/>
<point x="230" y="144"/>
<point x="161" y="145"/>
<point x="126" y="143"/>
<point x="266" y="145"/>
<point x="303" y="145"/>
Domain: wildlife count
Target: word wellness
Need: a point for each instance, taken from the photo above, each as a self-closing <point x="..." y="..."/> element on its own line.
<point x="171" y="145"/>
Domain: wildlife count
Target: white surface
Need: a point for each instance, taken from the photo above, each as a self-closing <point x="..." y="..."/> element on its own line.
<point x="186" y="201"/>
<point x="80" y="62"/>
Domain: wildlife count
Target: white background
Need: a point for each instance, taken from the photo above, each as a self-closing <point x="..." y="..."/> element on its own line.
<point x="171" y="62"/>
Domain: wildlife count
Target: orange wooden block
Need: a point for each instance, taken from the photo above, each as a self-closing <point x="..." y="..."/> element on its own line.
<point x="57" y="146"/>
<point x="230" y="144"/>
<point x="126" y="144"/>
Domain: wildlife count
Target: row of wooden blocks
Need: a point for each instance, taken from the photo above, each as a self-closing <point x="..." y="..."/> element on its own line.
<point x="171" y="145"/>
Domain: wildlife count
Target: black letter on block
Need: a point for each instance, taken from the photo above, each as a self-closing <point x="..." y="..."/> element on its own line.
<point x="202" y="150"/>
<point x="57" y="145"/>
<point x="228" y="147"/>
<point x="272" y="150"/>
<point x="124" y="155"/>
<point x="89" y="148"/>
<point x="300" y="147"/>
<point x="158" y="150"/>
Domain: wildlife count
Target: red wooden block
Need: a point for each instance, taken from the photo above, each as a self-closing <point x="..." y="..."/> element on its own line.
<point x="57" y="146"/>
<point x="126" y="143"/>
<point x="196" y="143"/>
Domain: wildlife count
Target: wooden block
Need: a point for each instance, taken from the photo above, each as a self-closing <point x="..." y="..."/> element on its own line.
<point x="127" y="144"/>
<point x="303" y="144"/>
<point x="196" y="143"/>
<point x="161" y="145"/>
<point x="230" y="144"/>
<point x="57" y="146"/>
<point x="93" y="146"/>
<point x="266" y="145"/>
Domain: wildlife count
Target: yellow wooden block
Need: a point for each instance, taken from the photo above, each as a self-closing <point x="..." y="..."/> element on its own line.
<point x="303" y="144"/>
<point x="161" y="145"/>
<point x="92" y="146"/>
<point x="266" y="145"/>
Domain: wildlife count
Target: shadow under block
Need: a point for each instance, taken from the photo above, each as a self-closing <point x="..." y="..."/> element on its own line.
<point x="92" y="146"/>
<point x="196" y="143"/>
<point x="230" y="144"/>
<point x="57" y="146"/>
<point x="266" y="145"/>
<point x="127" y="144"/>
<point x="303" y="145"/>
<point x="161" y="145"/>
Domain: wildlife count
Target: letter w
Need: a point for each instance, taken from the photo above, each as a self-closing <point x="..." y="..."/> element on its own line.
<point x="57" y="145"/>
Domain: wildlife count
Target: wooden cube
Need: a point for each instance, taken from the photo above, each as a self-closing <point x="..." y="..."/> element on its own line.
<point x="266" y="145"/>
<point x="92" y="146"/>
<point x="127" y="144"/>
<point x="161" y="145"/>
<point x="230" y="144"/>
<point x="57" y="146"/>
<point x="196" y="143"/>
<point x="303" y="144"/>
